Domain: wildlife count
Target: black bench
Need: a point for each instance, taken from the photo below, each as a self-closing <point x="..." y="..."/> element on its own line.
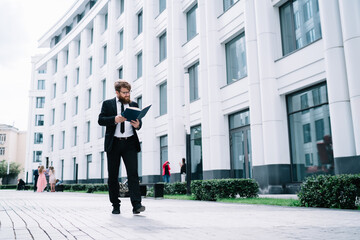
<point x="158" y="189"/>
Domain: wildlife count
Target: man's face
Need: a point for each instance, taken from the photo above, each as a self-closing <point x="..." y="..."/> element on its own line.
<point x="123" y="95"/>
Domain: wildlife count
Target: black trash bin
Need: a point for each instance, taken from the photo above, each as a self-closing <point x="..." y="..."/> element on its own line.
<point x="159" y="190"/>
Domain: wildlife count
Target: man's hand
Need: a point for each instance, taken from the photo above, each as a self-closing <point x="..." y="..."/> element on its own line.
<point x="119" y="119"/>
<point x="135" y="124"/>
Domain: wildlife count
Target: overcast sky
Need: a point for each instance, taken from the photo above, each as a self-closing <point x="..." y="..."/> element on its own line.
<point x="22" y="24"/>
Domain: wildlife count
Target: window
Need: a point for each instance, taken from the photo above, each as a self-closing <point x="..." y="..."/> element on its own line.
<point x="64" y="111"/>
<point x="90" y="66"/>
<point x="2" y="138"/>
<point x="89" y="99"/>
<point x="103" y="129"/>
<point x="88" y="161"/>
<point x="40" y="102"/>
<point x="229" y="3"/>
<point x="163" y="98"/>
<point x="196" y="153"/>
<point x="163" y="151"/>
<point x="38" y="138"/>
<point x="52" y="116"/>
<point x="52" y="143"/>
<point x="79" y="47"/>
<point x="300" y="24"/>
<point x="41" y="85"/>
<point x="121" y="9"/>
<point x="310" y="133"/>
<point x="55" y="65"/>
<point x="191" y="23"/>
<point x="162" y="47"/>
<point x="65" y="85"/>
<point x="42" y="71"/>
<point x="121" y="40"/>
<point x="102" y="162"/>
<point x="67" y="57"/>
<point x="140" y="22"/>
<point x="105" y="54"/>
<point x="77" y="76"/>
<point x="103" y="90"/>
<point x="105" y="21"/>
<point x="91" y="35"/>
<point x="39" y="120"/>
<point x="236" y="59"/>
<point x="121" y="73"/>
<point x="139" y="101"/>
<point x="76" y="105"/>
<point x="139" y="65"/>
<point x="88" y="131"/>
<point x="37" y="156"/>
<point x="162" y="5"/>
<point x="74" y="136"/>
<point x="2" y="151"/>
<point x="193" y="82"/>
<point x="75" y="176"/>
<point x="62" y="146"/>
<point x="54" y="91"/>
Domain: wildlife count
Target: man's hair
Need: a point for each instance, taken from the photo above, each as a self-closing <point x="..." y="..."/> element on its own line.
<point x="121" y="84"/>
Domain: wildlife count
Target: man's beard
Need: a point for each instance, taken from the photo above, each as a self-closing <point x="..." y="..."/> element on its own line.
<point x="124" y="100"/>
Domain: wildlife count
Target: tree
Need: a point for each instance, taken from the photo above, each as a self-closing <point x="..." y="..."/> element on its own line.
<point x="14" y="169"/>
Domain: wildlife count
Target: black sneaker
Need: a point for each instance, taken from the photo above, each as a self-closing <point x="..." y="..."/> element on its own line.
<point x="116" y="210"/>
<point x="138" y="209"/>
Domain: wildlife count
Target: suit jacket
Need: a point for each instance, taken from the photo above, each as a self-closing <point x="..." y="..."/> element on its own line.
<point x="107" y="118"/>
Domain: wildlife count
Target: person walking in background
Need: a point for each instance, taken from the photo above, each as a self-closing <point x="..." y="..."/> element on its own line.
<point x="36" y="176"/>
<point x="183" y="170"/>
<point x="166" y="172"/>
<point x="121" y="140"/>
<point x="41" y="183"/>
<point x="52" y="178"/>
<point x="46" y="171"/>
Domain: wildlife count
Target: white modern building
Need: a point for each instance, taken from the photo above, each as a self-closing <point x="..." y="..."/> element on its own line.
<point x="246" y="89"/>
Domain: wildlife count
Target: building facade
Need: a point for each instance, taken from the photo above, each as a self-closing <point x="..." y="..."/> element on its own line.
<point x="241" y="88"/>
<point x="12" y="142"/>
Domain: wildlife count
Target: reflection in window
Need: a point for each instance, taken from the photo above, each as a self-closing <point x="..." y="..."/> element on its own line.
<point x="196" y="153"/>
<point x="236" y="67"/>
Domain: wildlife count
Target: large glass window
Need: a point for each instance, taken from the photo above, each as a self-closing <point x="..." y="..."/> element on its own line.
<point x="105" y="54"/>
<point x="52" y="116"/>
<point x="51" y="143"/>
<point x="103" y="90"/>
<point x="54" y="91"/>
<point x="300" y="24"/>
<point x="120" y="73"/>
<point x="75" y="136"/>
<point x="240" y="145"/>
<point x="194" y="82"/>
<point x="38" y="138"/>
<point x="90" y="66"/>
<point x="163" y="98"/>
<point x="163" y="151"/>
<point x="229" y="3"/>
<point x="2" y="138"/>
<point x="121" y="40"/>
<point x="140" y="22"/>
<point x="64" y="111"/>
<point x="62" y="143"/>
<point x="139" y="65"/>
<point x="88" y="131"/>
<point x="41" y="85"/>
<point x="37" y="156"/>
<point x="162" y="5"/>
<point x="191" y="23"/>
<point x="65" y="85"/>
<point x="196" y="153"/>
<point x="162" y="47"/>
<point x="88" y="104"/>
<point x="310" y="133"/>
<point x="2" y="151"/>
<point x="39" y="120"/>
<point x="77" y="76"/>
<point x="76" y="105"/>
<point x="236" y="59"/>
<point x="88" y="161"/>
<point x="106" y="21"/>
<point x="121" y="9"/>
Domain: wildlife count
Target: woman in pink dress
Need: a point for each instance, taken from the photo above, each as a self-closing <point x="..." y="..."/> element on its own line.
<point x="52" y="178"/>
<point x="41" y="184"/>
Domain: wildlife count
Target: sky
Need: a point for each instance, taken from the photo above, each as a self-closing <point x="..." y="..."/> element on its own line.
<point x="22" y="24"/>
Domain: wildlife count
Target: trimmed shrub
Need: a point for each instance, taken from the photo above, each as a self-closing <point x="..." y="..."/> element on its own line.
<point x="78" y="187"/>
<point x="10" y="186"/>
<point x="339" y="191"/>
<point x="175" y="188"/>
<point x="210" y="190"/>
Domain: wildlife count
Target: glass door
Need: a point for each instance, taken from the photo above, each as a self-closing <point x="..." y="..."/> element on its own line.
<point x="240" y="148"/>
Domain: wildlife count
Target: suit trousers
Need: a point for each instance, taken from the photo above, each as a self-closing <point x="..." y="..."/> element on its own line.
<point x="127" y="150"/>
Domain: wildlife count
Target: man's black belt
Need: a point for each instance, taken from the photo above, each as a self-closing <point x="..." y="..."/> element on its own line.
<point x="124" y="138"/>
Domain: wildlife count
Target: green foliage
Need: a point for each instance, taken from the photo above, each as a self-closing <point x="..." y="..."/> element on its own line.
<point x="10" y="186"/>
<point x="89" y="188"/>
<point x="13" y="171"/>
<point x="211" y="190"/>
<point x="339" y="191"/>
<point x="175" y="188"/>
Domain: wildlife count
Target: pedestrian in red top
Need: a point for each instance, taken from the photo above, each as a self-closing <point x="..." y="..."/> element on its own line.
<point x="166" y="171"/>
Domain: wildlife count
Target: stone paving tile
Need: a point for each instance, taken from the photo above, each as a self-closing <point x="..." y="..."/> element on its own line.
<point x="88" y="216"/>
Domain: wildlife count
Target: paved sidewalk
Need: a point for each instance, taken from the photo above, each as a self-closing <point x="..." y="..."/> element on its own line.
<point x="29" y="215"/>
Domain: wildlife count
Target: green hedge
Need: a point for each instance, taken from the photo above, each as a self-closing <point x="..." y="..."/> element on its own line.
<point x="339" y="191"/>
<point x="89" y="188"/>
<point x="10" y="186"/>
<point x="175" y="188"/>
<point x="210" y="190"/>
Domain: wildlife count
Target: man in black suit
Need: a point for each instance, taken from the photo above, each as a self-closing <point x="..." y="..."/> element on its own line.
<point x="36" y="176"/>
<point x="121" y="140"/>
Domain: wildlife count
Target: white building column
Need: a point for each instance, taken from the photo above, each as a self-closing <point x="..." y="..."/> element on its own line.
<point x="175" y="86"/>
<point x="254" y="84"/>
<point x="276" y="158"/>
<point x="350" y="23"/>
<point x="338" y="92"/>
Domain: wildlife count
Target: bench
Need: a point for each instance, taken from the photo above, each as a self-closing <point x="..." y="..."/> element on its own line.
<point x="158" y="189"/>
